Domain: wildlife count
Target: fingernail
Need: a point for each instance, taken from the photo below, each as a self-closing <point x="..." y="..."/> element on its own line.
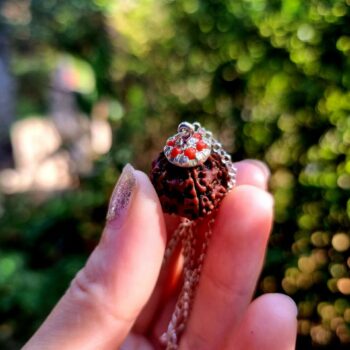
<point x="122" y="196"/>
<point x="262" y="166"/>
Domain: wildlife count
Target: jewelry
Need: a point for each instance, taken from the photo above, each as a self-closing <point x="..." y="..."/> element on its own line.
<point x="191" y="176"/>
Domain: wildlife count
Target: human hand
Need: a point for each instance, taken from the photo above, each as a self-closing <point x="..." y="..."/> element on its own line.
<point x="115" y="301"/>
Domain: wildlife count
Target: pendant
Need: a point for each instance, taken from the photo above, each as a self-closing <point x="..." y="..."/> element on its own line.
<point x="193" y="173"/>
<point x="191" y="176"/>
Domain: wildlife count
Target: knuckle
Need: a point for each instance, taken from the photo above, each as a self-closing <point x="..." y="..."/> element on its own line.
<point x="194" y="340"/>
<point x="91" y="295"/>
<point x="84" y="290"/>
<point x="225" y="287"/>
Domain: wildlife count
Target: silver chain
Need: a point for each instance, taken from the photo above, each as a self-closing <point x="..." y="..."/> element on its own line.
<point x="188" y="235"/>
<point x="225" y="156"/>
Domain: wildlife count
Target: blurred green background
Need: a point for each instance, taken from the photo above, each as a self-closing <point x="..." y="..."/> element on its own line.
<point x="271" y="79"/>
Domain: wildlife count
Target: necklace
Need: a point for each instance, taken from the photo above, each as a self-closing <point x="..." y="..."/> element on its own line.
<point x="191" y="176"/>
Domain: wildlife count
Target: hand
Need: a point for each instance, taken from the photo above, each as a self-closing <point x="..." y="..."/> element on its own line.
<point x="116" y="302"/>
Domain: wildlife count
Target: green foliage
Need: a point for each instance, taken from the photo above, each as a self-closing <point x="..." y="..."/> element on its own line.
<point x="270" y="78"/>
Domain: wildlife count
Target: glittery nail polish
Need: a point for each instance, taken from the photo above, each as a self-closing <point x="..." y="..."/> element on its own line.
<point x="122" y="196"/>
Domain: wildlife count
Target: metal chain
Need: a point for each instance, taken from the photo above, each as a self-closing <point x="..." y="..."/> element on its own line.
<point x="177" y="235"/>
<point x="225" y="156"/>
<point x="193" y="263"/>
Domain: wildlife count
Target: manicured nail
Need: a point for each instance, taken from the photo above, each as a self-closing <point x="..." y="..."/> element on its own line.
<point x="122" y="196"/>
<point x="262" y="166"/>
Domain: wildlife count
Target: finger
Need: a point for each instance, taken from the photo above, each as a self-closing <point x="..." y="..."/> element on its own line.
<point x="107" y="295"/>
<point x="167" y="285"/>
<point x="270" y="323"/>
<point x="233" y="264"/>
<point x="249" y="172"/>
<point x="136" y="342"/>
<point x="252" y="172"/>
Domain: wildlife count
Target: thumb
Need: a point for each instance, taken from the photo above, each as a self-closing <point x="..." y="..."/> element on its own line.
<point x="106" y="296"/>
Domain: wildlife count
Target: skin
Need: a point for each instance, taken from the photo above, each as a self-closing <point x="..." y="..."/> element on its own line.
<point x="123" y="299"/>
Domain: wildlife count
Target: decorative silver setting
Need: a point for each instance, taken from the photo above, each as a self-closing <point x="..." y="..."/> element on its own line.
<point x="188" y="137"/>
<point x="189" y="147"/>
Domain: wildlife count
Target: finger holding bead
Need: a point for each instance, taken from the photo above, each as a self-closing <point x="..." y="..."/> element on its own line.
<point x="194" y="188"/>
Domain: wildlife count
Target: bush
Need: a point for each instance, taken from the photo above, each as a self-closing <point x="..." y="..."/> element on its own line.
<point x="270" y="78"/>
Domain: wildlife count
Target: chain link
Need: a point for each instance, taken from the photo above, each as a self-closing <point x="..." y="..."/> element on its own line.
<point x="194" y="252"/>
<point x="225" y="156"/>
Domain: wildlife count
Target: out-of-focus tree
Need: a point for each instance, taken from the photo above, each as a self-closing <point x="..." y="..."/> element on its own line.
<point x="270" y="78"/>
<point x="7" y="96"/>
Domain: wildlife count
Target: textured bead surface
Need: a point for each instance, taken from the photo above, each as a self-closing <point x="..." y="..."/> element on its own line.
<point x="190" y="192"/>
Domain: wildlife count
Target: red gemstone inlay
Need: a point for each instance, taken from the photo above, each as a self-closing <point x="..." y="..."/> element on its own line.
<point x="201" y="145"/>
<point x="190" y="153"/>
<point x="175" y="151"/>
<point x="171" y="143"/>
<point x="197" y="135"/>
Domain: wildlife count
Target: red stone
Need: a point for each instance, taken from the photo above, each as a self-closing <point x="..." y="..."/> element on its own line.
<point x="171" y="143"/>
<point x="201" y="145"/>
<point x="190" y="153"/>
<point x="175" y="151"/>
<point x="197" y="135"/>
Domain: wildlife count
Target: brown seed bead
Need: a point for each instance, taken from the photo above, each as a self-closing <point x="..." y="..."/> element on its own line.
<point x="190" y="192"/>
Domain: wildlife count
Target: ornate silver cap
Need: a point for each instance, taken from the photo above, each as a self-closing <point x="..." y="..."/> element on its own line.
<point x="191" y="146"/>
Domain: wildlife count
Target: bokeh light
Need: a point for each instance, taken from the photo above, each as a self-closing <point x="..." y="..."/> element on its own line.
<point x="89" y="85"/>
